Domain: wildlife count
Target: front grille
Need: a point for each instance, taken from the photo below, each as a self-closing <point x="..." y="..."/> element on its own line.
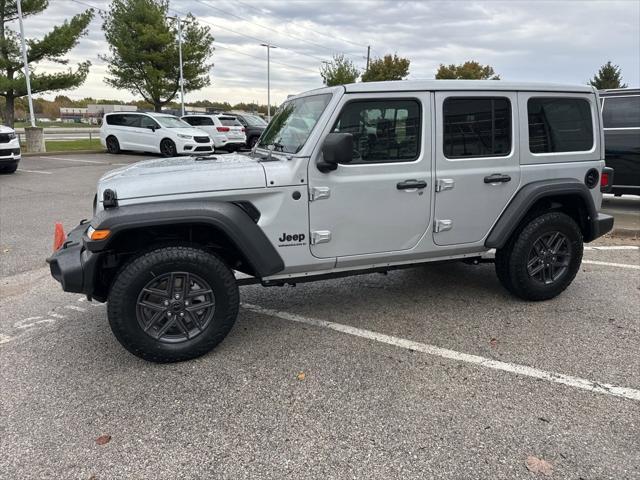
<point x="202" y="149"/>
<point x="202" y="139"/>
<point x="5" y="152"/>
<point x="4" y="138"/>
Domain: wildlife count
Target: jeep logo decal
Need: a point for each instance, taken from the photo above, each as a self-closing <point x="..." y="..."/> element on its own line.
<point x="291" y="239"/>
<point x="296" y="237"/>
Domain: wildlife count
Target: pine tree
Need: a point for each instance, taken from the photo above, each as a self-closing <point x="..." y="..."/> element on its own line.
<point x="609" y="76"/>
<point x="53" y="46"/>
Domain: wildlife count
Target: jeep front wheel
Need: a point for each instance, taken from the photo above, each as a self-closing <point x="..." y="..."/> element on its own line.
<point x="173" y="304"/>
<point x="542" y="258"/>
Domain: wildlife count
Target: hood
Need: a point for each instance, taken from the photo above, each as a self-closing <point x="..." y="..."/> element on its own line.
<point x="183" y="175"/>
<point x="5" y="129"/>
<point x="192" y="131"/>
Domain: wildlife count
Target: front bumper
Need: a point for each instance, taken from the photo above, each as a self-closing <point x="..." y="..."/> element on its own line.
<point x="600" y="226"/>
<point x="73" y="265"/>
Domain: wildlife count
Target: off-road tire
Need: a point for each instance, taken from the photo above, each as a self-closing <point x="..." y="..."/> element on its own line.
<point x="113" y="145"/>
<point x="511" y="260"/>
<point x="168" y="148"/>
<point x="135" y="276"/>
<point x="9" y="168"/>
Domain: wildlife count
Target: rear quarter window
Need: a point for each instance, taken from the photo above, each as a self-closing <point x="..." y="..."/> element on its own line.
<point x="229" y="121"/>
<point x="558" y="124"/>
<point x="621" y="112"/>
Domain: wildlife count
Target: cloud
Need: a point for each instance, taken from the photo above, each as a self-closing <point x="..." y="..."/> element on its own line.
<point x="563" y="42"/>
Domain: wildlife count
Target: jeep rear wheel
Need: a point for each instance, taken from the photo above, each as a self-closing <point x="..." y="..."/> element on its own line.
<point x="542" y="258"/>
<point x="173" y="304"/>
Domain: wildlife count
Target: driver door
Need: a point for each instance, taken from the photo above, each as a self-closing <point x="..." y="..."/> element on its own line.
<point x="380" y="202"/>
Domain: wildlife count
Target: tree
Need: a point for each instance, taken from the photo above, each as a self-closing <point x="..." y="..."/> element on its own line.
<point x="144" y="51"/>
<point x="52" y="46"/>
<point x="609" y="76"/>
<point x="339" y="71"/>
<point x="390" y="67"/>
<point x="470" y="70"/>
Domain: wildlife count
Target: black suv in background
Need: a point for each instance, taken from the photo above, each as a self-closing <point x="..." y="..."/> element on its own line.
<point x="253" y="126"/>
<point x="621" y="121"/>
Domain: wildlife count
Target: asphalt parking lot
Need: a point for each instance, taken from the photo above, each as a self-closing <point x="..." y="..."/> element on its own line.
<point x="432" y="372"/>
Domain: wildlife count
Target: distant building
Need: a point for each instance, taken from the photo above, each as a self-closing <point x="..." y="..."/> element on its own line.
<point x="95" y="112"/>
<point x="73" y="114"/>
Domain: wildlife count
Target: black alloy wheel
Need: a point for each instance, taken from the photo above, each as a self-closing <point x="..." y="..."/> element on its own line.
<point x="175" y="307"/>
<point x="168" y="148"/>
<point x="549" y="258"/>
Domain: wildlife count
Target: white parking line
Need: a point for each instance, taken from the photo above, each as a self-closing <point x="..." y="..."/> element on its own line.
<point x="5" y="338"/>
<point x="34" y="171"/>
<point x="611" y="264"/>
<point x="569" y="380"/>
<point x="75" y="160"/>
<point x="614" y="247"/>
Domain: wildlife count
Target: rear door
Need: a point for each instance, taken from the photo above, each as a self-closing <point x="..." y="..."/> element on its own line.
<point x="130" y="129"/>
<point x="477" y="163"/>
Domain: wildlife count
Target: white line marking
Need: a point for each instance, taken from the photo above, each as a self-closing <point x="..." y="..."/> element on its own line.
<point x="568" y="380"/>
<point x="22" y="324"/>
<point x="57" y="315"/>
<point x="614" y="247"/>
<point x="76" y="308"/>
<point x="34" y="171"/>
<point x="611" y="264"/>
<point x="75" y="160"/>
<point x="5" y="338"/>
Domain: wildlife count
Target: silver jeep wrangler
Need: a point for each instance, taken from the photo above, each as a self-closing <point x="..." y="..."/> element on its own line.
<point x="345" y="180"/>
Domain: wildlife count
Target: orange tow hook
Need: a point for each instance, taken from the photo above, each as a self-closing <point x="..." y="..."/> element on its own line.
<point x="59" y="236"/>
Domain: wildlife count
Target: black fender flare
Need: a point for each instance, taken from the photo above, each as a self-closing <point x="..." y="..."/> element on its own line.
<point x="532" y="192"/>
<point x="227" y="217"/>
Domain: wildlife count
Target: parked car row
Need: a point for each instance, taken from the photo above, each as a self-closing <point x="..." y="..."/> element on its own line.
<point x="169" y="135"/>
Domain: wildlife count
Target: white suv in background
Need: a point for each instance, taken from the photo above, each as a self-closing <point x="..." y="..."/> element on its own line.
<point x="225" y="130"/>
<point x="152" y="132"/>
<point x="9" y="150"/>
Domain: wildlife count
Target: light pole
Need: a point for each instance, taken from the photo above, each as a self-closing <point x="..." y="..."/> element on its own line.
<point x="26" y="64"/>
<point x="269" y="47"/>
<point x="179" y="20"/>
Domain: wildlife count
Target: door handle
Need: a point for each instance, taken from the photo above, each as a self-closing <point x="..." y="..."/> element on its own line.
<point x="411" y="185"/>
<point x="497" y="178"/>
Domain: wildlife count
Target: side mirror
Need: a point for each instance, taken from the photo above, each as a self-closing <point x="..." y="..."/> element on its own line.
<point x="151" y="127"/>
<point x="337" y="148"/>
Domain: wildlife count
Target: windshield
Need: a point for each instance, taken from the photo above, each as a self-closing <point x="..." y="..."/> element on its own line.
<point x="255" y="121"/>
<point x="172" y="122"/>
<point x="292" y="124"/>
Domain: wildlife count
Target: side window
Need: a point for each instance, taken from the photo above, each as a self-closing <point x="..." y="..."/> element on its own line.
<point x="383" y="130"/>
<point x="115" y="120"/>
<point x="621" y="112"/>
<point x="193" y="121"/>
<point x="206" y="121"/>
<point x="148" y="122"/>
<point x="476" y="127"/>
<point x="131" y="120"/>
<point x="559" y="124"/>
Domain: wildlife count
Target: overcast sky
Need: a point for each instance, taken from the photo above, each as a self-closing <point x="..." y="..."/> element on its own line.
<point x="562" y="42"/>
